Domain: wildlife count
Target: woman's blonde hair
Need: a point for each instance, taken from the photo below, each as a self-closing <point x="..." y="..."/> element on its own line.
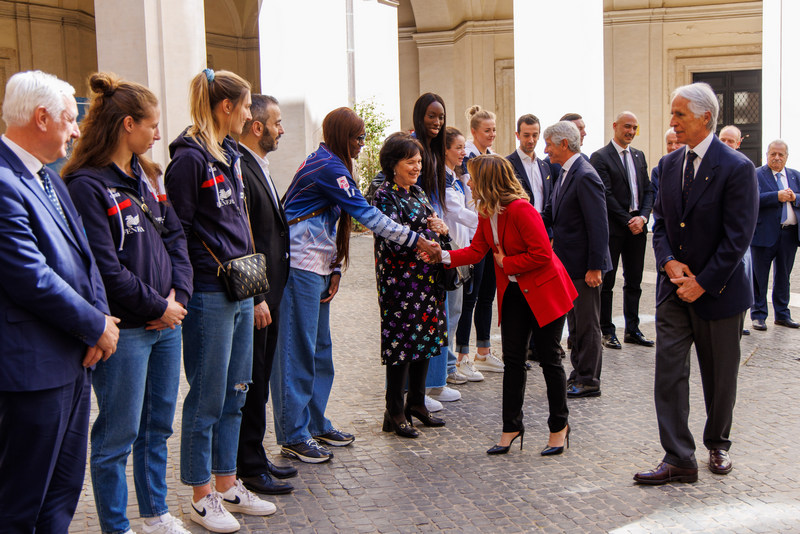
<point x="477" y="115"/>
<point x="114" y="99"/>
<point x="208" y="89"/>
<point x="494" y="184"/>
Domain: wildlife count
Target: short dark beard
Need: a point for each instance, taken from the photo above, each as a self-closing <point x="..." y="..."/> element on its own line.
<point x="267" y="143"/>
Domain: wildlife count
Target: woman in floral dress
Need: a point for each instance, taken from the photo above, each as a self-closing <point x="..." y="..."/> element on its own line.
<point x="413" y="323"/>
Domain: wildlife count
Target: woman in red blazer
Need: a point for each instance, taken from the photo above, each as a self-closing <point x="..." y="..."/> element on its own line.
<point x="534" y="293"/>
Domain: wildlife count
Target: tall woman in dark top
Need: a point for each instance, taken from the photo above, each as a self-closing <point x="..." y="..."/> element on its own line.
<point x="534" y="294"/>
<point x="148" y="279"/>
<point x="413" y="322"/>
<point x="204" y="182"/>
<point x="480" y="295"/>
<point x="429" y="129"/>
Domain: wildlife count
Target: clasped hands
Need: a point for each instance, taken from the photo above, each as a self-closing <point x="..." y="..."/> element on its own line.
<point x="680" y="275"/>
<point x="786" y="195"/>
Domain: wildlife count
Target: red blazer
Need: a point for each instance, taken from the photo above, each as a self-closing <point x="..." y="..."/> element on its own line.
<point x="542" y="278"/>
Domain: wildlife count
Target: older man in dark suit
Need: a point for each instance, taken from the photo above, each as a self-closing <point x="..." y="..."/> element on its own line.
<point x="271" y="233"/>
<point x="707" y="208"/>
<point x="577" y="216"/>
<point x="629" y="200"/>
<point x="55" y="324"/>
<point x="776" y="236"/>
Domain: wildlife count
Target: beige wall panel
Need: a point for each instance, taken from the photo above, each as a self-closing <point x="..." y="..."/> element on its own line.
<point x="409" y="80"/>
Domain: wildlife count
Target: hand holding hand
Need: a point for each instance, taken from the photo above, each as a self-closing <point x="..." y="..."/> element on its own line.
<point x="636" y="225"/>
<point x="688" y="288"/>
<point x="786" y="195"/>
<point x="676" y="269"/>
<point x="437" y="225"/>
<point x="431" y="248"/>
<point x="106" y="345"/>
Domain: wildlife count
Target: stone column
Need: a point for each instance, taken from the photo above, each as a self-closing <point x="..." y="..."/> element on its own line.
<point x="159" y="44"/>
<point x="780" y="76"/>
<point x="558" y="50"/>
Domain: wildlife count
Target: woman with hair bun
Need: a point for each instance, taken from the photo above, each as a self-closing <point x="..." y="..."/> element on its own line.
<point x="204" y="181"/>
<point x="140" y="249"/>
<point x="480" y="296"/>
<point x="319" y="204"/>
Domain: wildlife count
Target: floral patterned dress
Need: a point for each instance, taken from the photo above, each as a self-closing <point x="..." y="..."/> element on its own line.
<point x="413" y="317"/>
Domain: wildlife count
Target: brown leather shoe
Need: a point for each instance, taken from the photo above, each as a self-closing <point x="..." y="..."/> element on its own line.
<point x="664" y="473"/>
<point x="719" y="462"/>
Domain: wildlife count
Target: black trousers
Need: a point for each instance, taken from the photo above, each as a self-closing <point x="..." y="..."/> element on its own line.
<point x="251" y="460"/>
<point x="517" y="327"/>
<point x="43" y="438"/>
<point x="396" y="377"/>
<point x="631" y="248"/>
<point x="718" y="353"/>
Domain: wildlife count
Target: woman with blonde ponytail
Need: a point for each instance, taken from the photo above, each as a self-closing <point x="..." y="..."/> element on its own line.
<point x="204" y="181"/>
<point x="148" y="281"/>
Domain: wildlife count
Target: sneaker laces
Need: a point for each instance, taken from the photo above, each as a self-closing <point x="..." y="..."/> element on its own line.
<point x="245" y="494"/>
<point x="214" y="503"/>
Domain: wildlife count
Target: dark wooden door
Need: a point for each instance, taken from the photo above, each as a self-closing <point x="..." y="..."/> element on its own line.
<point x="739" y="94"/>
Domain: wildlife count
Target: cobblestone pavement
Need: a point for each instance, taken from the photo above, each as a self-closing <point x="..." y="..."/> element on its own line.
<point x="444" y="481"/>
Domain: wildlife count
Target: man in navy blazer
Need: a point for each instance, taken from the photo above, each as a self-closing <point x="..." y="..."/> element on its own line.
<point x="629" y="201"/>
<point x="707" y="207"/>
<point x="577" y="216"/>
<point x="54" y="323"/>
<point x="776" y="236"/>
<point x="532" y="172"/>
<point x="271" y="233"/>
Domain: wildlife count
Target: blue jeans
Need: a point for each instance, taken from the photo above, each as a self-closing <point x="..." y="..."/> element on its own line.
<point x="455" y="300"/>
<point x="136" y="390"/>
<point x="302" y="371"/>
<point x="218" y="360"/>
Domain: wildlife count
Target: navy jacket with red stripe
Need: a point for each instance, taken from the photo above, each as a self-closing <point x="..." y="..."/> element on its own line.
<point x="138" y="265"/>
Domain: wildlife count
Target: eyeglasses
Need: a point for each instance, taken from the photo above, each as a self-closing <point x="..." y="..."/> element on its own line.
<point x="361" y="138"/>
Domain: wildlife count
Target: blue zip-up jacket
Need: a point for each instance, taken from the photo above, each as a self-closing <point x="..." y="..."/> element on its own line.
<point x="139" y="266"/>
<point x="208" y="197"/>
<point x="322" y="181"/>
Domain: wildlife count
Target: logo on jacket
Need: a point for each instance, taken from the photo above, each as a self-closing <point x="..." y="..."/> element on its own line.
<point x="132" y="225"/>
<point x="224" y="197"/>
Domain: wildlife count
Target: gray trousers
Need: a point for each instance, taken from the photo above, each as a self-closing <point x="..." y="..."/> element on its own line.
<point x="584" y="329"/>
<point x="717" y="345"/>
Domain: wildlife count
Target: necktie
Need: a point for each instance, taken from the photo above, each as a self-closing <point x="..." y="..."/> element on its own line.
<point x="559" y="185"/>
<point x="631" y="182"/>
<point x="784" y="208"/>
<point x="51" y="193"/>
<point x="688" y="176"/>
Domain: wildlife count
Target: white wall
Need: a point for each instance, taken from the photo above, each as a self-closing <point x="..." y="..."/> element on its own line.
<point x="780" y="76"/>
<point x="559" y="69"/>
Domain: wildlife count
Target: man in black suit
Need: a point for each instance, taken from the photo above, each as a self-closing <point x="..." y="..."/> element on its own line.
<point x="707" y="208"/>
<point x="577" y="216"/>
<point x="629" y="200"/>
<point x="271" y="233"/>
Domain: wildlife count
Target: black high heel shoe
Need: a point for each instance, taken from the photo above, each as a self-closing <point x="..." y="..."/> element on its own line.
<point x="551" y="451"/>
<point x="426" y="417"/>
<point x="404" y="429"/>
<point x="499" y="449"/>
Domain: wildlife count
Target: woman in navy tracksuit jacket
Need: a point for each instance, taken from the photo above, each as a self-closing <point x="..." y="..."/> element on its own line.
<point x="148" y="279"/>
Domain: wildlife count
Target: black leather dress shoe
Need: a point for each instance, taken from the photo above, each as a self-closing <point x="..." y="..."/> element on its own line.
<point x="281" y="471"/>
<point x="745" y="332"/>
<point x="576" y="391"/>
<point x="266" y="485"/>
<point x="759" y="324"/>
<point x="610" y="341"/>
<point x="787" y="323"/>
<point x="638" y="339"/>
<point x="664" y="473"/>
<point x="719" y="462"/>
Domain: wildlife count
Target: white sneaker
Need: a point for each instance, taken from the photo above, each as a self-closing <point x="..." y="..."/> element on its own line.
<point x="465" y="368"/>
<point x="445" y="394"/>
<point x="492" y="363"/>
<point x="456" y="378"/>
<point x="209" y="513"/>
<point x="165" y="524"/>
<point x="241" y="499"/>
<point x="432" y="404"/>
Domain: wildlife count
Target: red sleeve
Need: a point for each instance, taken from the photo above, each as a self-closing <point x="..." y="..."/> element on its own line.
<point x="538" y="251"/>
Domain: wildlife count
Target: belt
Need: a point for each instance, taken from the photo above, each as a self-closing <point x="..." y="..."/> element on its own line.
<point x="307" y="216"/>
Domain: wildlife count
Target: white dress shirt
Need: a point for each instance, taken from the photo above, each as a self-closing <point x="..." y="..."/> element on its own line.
<point x="534" y="177"/>
<point x="627" y="163"/>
